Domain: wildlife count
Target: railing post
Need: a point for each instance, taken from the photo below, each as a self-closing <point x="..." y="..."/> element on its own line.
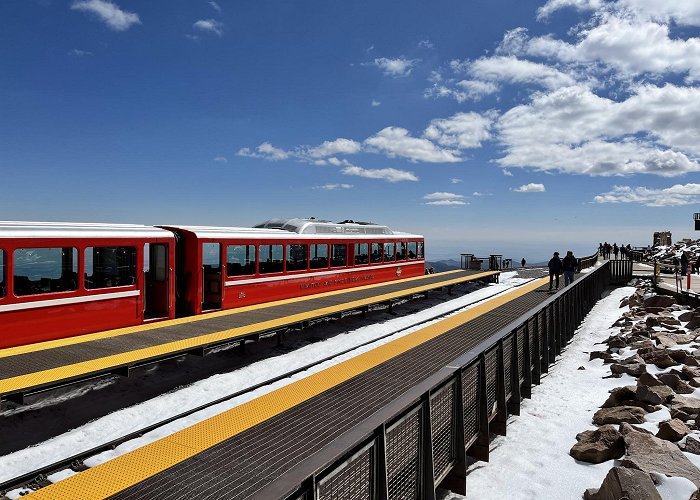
<point x="456" y="479"/>
<point x="427" y="463"/>
<point x="527" y="363"/>
<point x="381" y="482"/>
<point x="514" y="401"/>
<point x="499" y="421"/>
<point x="537" y="342"/>
<point x="480" y="449"/>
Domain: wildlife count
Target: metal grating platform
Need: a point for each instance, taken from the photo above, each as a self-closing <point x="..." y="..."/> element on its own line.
<point x="242" y="465"/>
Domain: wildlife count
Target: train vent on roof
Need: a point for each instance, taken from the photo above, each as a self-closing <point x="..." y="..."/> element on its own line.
<point x="316" y="226"/>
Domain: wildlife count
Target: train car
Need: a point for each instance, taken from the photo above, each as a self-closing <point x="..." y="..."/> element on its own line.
<point x="223" y="268"/>
<point x="64" y="279"/>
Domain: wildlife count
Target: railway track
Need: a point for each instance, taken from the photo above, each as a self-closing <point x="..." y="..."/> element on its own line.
<point x="38" y="477"/>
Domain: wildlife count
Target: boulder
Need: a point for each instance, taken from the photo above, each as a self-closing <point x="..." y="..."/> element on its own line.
<point x="659" y="358"/>
<point x="690" y="372"/>
<point x="616" y="341"/>
<point x="677" y="355"/>
<point x="649" y="380"/>
<point x="599" y="445"/>
<point x="694" y="321"/>
<point x="605" y="356"/>
<point x="689" y="405"/>
<point x="655" y="395"/>
<point x="673" y="430"/>
<point x="634" y="369"/>
<point x="619" y="414"/>
<point x="670" y="379"/>
<point x="622" y="482"/>
<point x="664" y="340"/>
<point x="686" y="316"/>
<point x="651" y="454"/>
<point x="684" y="338"/>
<point x="658" y="301"/>
<point x="692" y="445"/>
<point x="684" y="387"/>
<point x="620" y="395"/>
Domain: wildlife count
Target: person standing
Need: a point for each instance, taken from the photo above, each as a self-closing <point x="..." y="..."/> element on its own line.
<point x="523" y="262"/>
<point x="616" y="250"/>
<point x="697" y="263"/>
<point x="554" y="266"/>
<point x="568" y="265"/>
<point x="684" y="264"/>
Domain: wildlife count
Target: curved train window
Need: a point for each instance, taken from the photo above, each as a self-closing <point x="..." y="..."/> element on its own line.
<point x="420" y="249"/>
<point x="2" y="273"/>
<point x="361" y="253"/>
<point x="376" y="254"/>
<point x="297" y="258"/>
<point x="107" y="267"/>
<point x="339" y="255"/>
<point x="412" y="249"/>
<point x="45" y="270"/>
<point x="319" y="256"/>
<point x="401" y="250"/>
<point x="389" y="250"/>
<point x="271" y="259"/>
<point x="240" y="260"/>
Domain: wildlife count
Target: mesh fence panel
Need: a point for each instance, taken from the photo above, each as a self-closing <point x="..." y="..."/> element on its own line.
<point x="442" y="426"/>
<point x="353" y="481"/>
<point x="491" y="369"/>
<point x="403" y="458"/>
<point x="470" y="400"/>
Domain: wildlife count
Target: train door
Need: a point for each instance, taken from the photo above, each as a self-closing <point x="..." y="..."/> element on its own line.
<point x="156" y="274"/>
<point x="211" y="276"/>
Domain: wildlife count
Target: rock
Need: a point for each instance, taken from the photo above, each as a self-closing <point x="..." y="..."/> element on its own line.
<point x="694" y="321"/>
<point x="651" y="454"/>
<point x="686" y="316"/>
<point x="635" y="369"/>
<point x="641" y="344"/>
<point x="616" y="341"/>
<point x="655" y="395"/>
<point x="619" y="414"/>
<point x="670" y="379"/>
<point x="625" y="302"/>
<point x="689" y="405"/>
<point x="660" y="358"/>
<point x="620" y="395"/>
<point x="598" y="446"/>
<point x="684" y="388"/>
<point x="652" y="320"/>
<point x="581" y="368"/>
<point x="624" y="483"/>
<point x="605" y="356"/>
<point x="694" y="382"/>
<point x="650" y="381"/>
<point x="677" y="355"/>
<point x="680" y="415"/>
<point x="692" y="445"/>
<point x="689" y="372"/>
<point x="669" y="321"/>
<point x="673" y="430"/>
<point x="634" y="359"/>
<point x="665" y="341"/>
<point x="659" y="301"/>
<point x="625" y="428"/>
<point x="684" y="338"/>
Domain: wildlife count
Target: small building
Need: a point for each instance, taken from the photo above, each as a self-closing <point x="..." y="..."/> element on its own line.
<point x="662" y="238"/>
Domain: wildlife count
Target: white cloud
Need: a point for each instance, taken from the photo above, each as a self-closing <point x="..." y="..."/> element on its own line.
<point x="553" y="5"/>
<point x="518" y="71"/>
<point x="396" y="141"/>
<point x="464" y="90"/>
<point x="679" y="194"/>
<point x="444" y="199"/>
<point x="221" y="159"/>
<point x="109" y="13"/>
<point x="210" y="25"/>
<point x="215" y="6"/>
<point x="338" y="146"/>
<point x="682" y="12"/>
<point x="80" y="53"/>
<point x="455" y="181"/>
<point x="478" y="194"/>
<point x="507" y="172"/>
<point x="395" y="67"/>
<point x="461" y="130"/>
<point x="375" y="103"/>
<point x="266" y="151"/>
<point x="575" y="131"/>
<point x="426" y="44"/>
<point x="530" y="188"/>
<point x="387" y="174"/>
<point x="334" y="187"/>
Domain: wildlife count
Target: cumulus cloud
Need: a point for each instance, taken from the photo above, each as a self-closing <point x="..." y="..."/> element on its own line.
<point x="426" y="44"/>
<point x="386" y="174"/>
<point x="395" y="67"/>
<point x="444" y="199"/>
<point x="682" y="12"/>
<point x="463" y="90"/>
<point x="396" y="141"/>
<point x="507" y="172"/>
<point x="676" y="195"/>
<point x="530" y="188"/>
<point x="455" y="181"/>
<point x="338" y="146"/>
<point x="109" y="13"/>
<point x="80" y="53"/>
<point x="375" y="103"/>
<point x="266" y="151"/>
<point x="334" y="187"/>
<point x="461" y="130"/>
<point x="221" y="159"/>
<point x="575" y="131"/>
<point x="553" y="5"/>
<point x="510" y="69"/>
<point x="210" y="25"/>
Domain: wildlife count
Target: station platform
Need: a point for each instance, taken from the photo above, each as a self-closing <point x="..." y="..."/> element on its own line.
<point x="240" y="452"/>
<point x="41" y="366"/>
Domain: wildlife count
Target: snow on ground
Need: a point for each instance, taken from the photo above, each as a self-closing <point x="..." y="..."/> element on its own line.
<point x="129" y="419"/>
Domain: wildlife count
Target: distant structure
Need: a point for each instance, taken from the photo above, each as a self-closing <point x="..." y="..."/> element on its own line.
<point x="696" y="218"/>
<point x="663" y="238"/>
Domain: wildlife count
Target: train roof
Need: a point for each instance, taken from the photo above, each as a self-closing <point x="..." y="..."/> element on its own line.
<point x="22" y="229"/>
<point x="316" y="226"/>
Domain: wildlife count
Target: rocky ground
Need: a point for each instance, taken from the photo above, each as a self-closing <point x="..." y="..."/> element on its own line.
<point x="648" y="430"/>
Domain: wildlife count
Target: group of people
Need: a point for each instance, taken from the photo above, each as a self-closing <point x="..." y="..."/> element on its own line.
<point x="557" y="266"/>
<point x="605" y="249"/>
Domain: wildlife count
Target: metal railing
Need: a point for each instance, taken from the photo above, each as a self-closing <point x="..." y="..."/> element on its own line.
<point x="421" y="440"/>
<point x="586" y="262"/>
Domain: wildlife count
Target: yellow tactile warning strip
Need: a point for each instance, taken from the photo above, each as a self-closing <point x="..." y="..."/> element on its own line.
<point x="122" y="472"/>
<point x="76" y="370"/>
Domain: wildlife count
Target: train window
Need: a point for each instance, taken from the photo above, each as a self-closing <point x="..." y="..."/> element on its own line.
<point x="2" y="273"/>
<point x="240" y="260"/>
<point x="107" y="267"/>
<point x="376" y="255"/>
<point x="361" y="253"/>
<point x="420" y="249"/>
<point x="411" y="249"/>
<point x="297" y="257"/>
<point x="319" y="256"/>
<point x="389" y="250"/>
<point x="339" y="255"/>
<point x="401" y="250"/>
<point x="211" y="255"/>
<point x="271" y="259"/>
<point x="45" y="270"/>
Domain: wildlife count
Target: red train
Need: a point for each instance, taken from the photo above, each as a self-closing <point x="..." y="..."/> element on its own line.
<point x="64" y="279"/>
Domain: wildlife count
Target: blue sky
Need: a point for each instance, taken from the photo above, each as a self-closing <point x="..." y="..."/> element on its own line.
<point x="488" y="126"/>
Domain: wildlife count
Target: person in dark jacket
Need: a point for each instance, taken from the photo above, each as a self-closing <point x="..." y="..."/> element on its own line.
<point x="554" y="266"/>
<point x="568" y="265"/>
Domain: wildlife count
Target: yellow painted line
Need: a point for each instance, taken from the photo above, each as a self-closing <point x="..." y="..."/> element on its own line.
<point x="138" y="465"/>
<point x="51" y="344"/>
<point x="34" y="379"/>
